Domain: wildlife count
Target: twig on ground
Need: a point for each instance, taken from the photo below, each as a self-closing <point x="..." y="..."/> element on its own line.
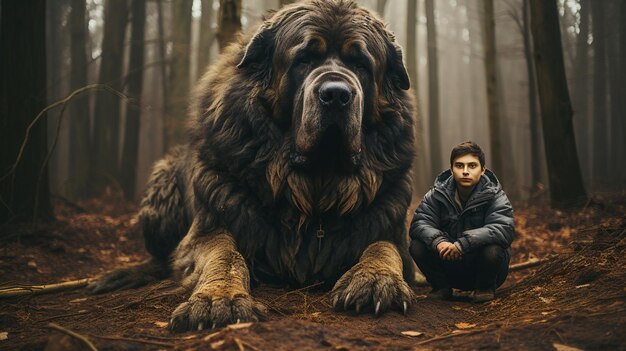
<point x="12" y="291"/>
<point x="63" y="315"/>
<point x="296" y="291"/>
<point x="74" y="335"/>
<point x="139" y="341"/>
<point x="442" y="337"/>
<point x="528" y="264"/>
<point x="239" y="344"/>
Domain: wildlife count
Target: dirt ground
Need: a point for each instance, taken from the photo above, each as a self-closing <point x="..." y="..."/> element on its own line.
<point x="575" y="298"/>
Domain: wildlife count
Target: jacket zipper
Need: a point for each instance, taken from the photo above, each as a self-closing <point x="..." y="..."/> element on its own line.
<point x="477" y="202"/>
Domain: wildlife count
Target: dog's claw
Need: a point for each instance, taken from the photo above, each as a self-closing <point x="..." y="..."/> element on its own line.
<point x="405" y="307"/>
<point x="377" y="310"/>
<point x="213" y="326"/>
<point x="346" y="303"/>
<point x="335" y="302"/>
<point x="200" y="326"/>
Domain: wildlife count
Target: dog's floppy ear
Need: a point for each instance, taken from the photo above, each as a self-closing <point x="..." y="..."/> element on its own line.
<point x="259" y="49"/>
<point x="395" y="66"/>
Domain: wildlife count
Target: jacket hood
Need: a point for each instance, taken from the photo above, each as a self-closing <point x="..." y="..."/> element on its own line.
<point x="488" y="183"/>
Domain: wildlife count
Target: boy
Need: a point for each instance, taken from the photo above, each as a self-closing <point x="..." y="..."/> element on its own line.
<point x="462" y="230"/>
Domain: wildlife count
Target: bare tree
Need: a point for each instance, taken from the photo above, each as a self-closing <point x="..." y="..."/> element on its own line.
<point x="107" y="111"/>
<point x="600" y="131"/>
<point x="616" y="89"/>
<point x="380" y="7"/>
<point x="433" y="89"/>
<point x="178" y="83"/>
<point x="128" y="174"/>
<point x="24" y="190"/>
<point x="533" y="108"/>
<point x="566" y="185"/>
<point x="229" y="21"/>
<point x="581" y="90"/>
<point x="79" y="108"/>
<point x="207" y="35"/>
<point x="489" y="45"/>
<point x="622" y="92"/>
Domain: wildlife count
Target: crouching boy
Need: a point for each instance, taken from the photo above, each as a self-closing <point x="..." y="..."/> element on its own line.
<point x="462" y="230"/>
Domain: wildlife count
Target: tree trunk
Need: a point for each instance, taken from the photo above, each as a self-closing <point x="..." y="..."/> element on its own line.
<point x="229" y="22"/>
<point x="489" y="44"/>
<point x="600" y="130"/>
<point x="622" y="93"/>
<point x="164" y="77"/>
<point x="79" y="108"/>
<point x="24" y="193"/>
<point x="128" y="174"/>
<point x="566" y="185"/>
<point x="55" y="44"/>
<point x="617" y="93"/>
<point x="207" y="36"/>
<point x="380" y="8"/>
<point x="581" y="90"/>
<point x="433" y="90"/>
<point x="420" y="174"/>
<point x="107" y="111"/>
<point x="535" y="131"/>
<point x="178" y="83"/>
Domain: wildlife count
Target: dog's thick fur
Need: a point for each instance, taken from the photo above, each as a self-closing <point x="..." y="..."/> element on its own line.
<point x="296" y="172"/>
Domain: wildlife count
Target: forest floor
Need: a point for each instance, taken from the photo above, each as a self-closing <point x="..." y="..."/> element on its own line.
<point x="576" y="298"/>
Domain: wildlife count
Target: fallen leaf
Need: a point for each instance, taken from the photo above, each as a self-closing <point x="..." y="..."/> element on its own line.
<point x="464" y="325"/>
<point x="78" y="300"/>
<point x="315" y="314"/>
<point x="239" y="326"/>
<point x="161" y="324"/>
<point x="211" y="336"/>
<point x="411" y="333"/>
<point x="560" y="347"/>
<point x="582" y="286"/>
<point x="4" y="335"/>
<point x="217" y="344"/>
<point x="32" y="264"/>
<point x="546" y="300"/>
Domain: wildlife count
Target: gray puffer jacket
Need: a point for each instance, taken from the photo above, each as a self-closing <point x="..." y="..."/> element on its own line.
<point x="486" y="219"/>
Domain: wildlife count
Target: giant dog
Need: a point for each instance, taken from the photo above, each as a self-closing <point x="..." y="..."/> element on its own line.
<point x="297" y="171"/>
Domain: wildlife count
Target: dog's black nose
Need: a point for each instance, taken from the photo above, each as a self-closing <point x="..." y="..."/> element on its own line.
<point x="335" y="93"/>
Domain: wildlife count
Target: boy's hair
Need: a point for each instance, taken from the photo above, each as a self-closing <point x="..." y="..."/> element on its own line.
<point x="468" y="147"/>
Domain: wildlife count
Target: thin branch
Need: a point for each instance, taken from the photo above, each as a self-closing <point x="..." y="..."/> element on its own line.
<point x="528" y="264"/>
<point x="140" y="341"/>
<point x="50" y="107"/>
<point x="73" y="334"/>
<point x="12" y="291"/>
<point x="442" y="337"/>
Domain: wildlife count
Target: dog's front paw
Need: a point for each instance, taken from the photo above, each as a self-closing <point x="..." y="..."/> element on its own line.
<point x="204" y="312"/>
<point x="371" y="286"/>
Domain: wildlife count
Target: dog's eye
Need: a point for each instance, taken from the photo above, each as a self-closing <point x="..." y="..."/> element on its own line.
<point x="303" y="61"/>
<point x="360" y="66"/>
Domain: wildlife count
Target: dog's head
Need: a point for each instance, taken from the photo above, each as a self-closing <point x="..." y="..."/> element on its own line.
<point x="328" y="69"/>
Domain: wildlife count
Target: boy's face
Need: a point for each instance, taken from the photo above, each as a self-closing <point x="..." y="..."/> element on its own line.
<point x="467" y="170"/>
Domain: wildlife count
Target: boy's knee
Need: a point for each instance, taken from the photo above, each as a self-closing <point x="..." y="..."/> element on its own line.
<point x="418" y="249"/>
<point x="492" y="254"/>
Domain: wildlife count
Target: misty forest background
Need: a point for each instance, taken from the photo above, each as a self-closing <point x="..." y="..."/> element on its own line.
<point x="115" y="76"/>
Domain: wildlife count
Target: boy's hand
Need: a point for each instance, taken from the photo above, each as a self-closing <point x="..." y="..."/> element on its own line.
<point x="448" y="251"/>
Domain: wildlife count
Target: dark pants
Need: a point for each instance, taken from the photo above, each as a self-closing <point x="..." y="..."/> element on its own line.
<point x="485" y="268"/>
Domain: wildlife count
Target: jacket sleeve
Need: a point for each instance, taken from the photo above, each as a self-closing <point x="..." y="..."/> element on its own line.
<point x="426" y="222"/>
<point x="499" y="226"/>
